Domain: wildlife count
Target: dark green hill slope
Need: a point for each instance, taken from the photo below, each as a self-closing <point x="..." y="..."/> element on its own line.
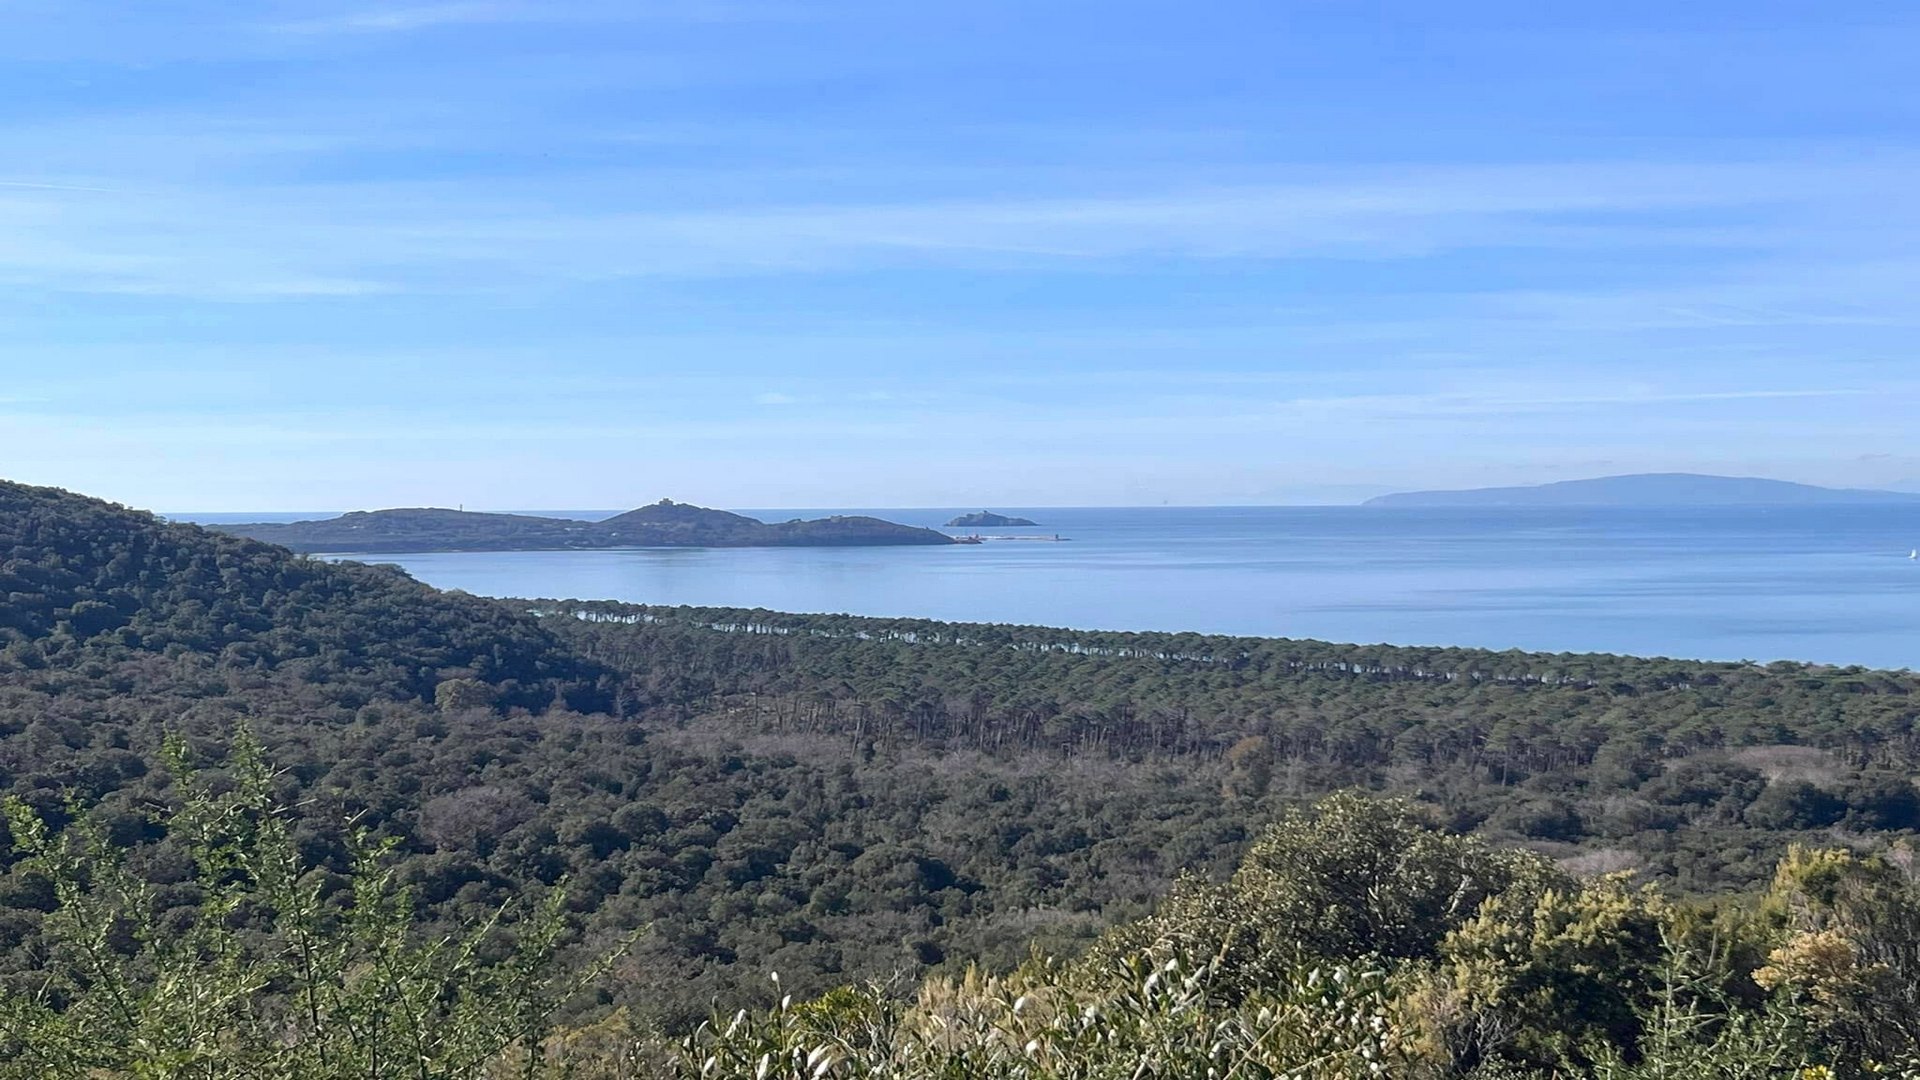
<point x="76" y="571"/>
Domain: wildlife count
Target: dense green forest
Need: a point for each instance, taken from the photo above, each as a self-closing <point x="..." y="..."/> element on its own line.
<point x="1695" y="772"/>
<point x="865" y="802"/>
<point x="1354" y="940"/>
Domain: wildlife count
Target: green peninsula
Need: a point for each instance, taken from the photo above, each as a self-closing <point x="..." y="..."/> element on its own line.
<point x="663" y="524"/>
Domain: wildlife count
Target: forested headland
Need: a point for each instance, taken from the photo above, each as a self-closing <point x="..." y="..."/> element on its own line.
<point x="662" y="524"/>
<point x="870" y="803"/>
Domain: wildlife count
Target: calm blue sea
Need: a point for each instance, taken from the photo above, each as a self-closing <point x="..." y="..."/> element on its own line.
<point x="1830" y="584"/>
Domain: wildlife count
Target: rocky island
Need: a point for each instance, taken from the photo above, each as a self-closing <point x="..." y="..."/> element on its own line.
<point x="663" y="524"/>
<point x="986" y="519"/>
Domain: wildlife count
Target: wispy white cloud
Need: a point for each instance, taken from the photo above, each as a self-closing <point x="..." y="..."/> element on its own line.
<point x="437" y="236"/>
<point x="404" y="18"/>
<point x="135" y="248"/>
<point x="1414" y="214"/>
<point x="1204" y="414"/>
<point x="1494" y="403"/>
<point x="25" y="185"/>
<point x="400" y="17"/>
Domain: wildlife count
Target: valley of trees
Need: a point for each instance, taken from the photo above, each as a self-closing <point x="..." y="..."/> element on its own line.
<point x="1694" y="772"/>
<point x="869" y="803"/>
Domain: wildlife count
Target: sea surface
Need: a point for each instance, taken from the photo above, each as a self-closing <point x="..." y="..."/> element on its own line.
<point x="1831" y="585"/>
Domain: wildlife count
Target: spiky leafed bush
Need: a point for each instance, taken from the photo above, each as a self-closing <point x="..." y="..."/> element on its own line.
<point x="1150" y="1020"/>
<point x="284" y="972"/>
<point x="1852" y="949"/>
<point x="1348" y="878"/>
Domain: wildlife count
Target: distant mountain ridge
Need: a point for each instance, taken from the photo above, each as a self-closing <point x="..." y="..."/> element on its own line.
<point x="662" y="524"/>
<point x="1650" y="489"/>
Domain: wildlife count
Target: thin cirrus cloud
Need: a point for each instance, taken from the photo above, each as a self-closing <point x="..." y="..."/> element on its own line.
<point x="1169" y="408"/>
<point x="354" y="239"/>
<point x="408" y="18"/>
<point x="401" y="18"/>
<point x="1417" y="211"/>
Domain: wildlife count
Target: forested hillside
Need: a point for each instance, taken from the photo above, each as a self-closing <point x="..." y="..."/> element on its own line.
<point x="85" y="582"/>
<point x="662" y="524"/>
<point x="845" y="799"/>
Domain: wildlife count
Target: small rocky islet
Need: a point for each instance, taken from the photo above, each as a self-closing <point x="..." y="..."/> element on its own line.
<point x="986" y="519"/>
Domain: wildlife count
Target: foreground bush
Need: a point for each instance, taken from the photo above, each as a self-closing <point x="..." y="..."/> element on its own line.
<point x="1356" y="941"/>
<point x="284" y="970"/>
<point x="1151" y="1020"/>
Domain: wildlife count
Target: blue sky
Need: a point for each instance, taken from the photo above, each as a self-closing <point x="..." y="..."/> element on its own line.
<point x="573" y="253"/>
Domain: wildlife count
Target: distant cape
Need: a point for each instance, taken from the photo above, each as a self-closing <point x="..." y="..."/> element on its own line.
<point x="663" y="524"/>
<point x="1650" y="489"/>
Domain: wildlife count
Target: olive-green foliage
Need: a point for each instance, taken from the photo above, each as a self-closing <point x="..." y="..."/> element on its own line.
<point x="1566" y="969"/>
<point x="1693" y="1030"/>
<point x="1143" y="1019"/>
<point x="1350" y="877"/>
<point x="279" y="971"/>
<point x="1544" y="978"/>
<point x="1853" y="948"/>
<point x="460" y="695"/>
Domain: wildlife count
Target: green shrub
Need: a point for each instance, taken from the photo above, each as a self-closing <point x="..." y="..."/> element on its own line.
<point x="283" y="971"/>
